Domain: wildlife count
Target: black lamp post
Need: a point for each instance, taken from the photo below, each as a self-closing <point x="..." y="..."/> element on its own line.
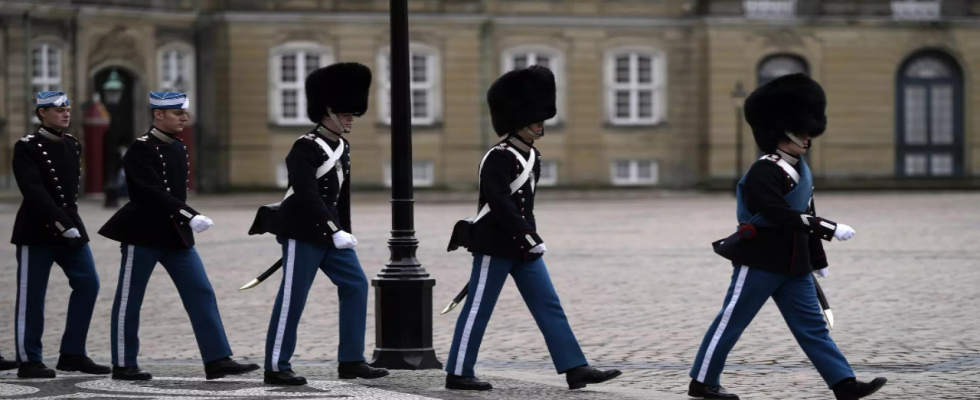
<point x="738" y="98"/>
<point x="403" y="289"/>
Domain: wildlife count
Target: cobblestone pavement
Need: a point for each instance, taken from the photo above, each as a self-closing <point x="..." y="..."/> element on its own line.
<point x="638" y="281"/>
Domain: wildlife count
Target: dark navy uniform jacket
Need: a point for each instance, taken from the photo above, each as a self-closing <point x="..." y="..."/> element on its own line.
<point x="318" y="208"/>
<point x="793" y="247"/>
<point x="47" y="167"/>
<point x="509" y="230"/>
<point x="156" y="169"/>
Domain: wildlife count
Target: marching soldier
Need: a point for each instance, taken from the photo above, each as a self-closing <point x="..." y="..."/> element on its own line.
<point x="778" y="243"/>
<point x="314" y="226"/>
<point x="48" y="230"/>
<point x="158" y="226"/>
<point x="504" y="239"/>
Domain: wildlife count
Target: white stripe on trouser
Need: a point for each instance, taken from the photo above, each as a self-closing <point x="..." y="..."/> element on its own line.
<point x="22" y="304"/>
<point x="727" y="315"/>
<point x="287" y="291"/>
<point x="123" y="302"/>
<point x="470" y="319"/>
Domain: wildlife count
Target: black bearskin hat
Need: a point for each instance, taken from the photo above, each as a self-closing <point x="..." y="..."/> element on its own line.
<point x="791" y="103"/>
<point x="341" y="87"/>
<point x="520" y="98"/>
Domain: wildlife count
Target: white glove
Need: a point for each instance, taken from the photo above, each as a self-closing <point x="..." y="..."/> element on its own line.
<point x="71" y="233"/>
<point x="344" y="240"/>
<point x="539" y="249"/>
<point x="822" y="272"/>
<point x="843" y="232"/>
<point x="200" y="223"/>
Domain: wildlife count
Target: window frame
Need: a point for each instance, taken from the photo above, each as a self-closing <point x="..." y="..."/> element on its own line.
<point x="634" y="173"/>
<point x="557" y="67"/>
<point x="428" y="166"/>
<point x="45" y="81"/>
<point x="553" y="180"/>
<point x="433" y="86"/>
<point x="957" y="148"/>
<point x="658" y="85"/>
<point x="189" y="69"/>
<point x="277" y="86"/>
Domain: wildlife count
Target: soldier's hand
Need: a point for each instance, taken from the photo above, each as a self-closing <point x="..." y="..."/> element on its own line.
<point x="539" y="249"/>
<point x="200" y="223"/>
<point x="843" y="232"/>
<point x="344" y="240"/>
<point x="71" y="233"/>
<point x="822" y="272"/>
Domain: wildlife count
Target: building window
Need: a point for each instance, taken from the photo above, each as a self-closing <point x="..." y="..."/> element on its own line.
<point x="769" y="9"/>
<point x="175" y="66"/>
<point x="929" y="104"/>
<point x="916" y="10"/>
<point x="526" y="56"/>
<point x="45" y="68"/>
<point x="549" y="173"/>
<point x="424" y="88"/>
<point x="773" y="67"/>
<point x="634" y="172"/>
<point x="289" y="64"/>
<point x="635" y="87"/>
<point x="282" y="175"/>
<point x="423" y="174"/>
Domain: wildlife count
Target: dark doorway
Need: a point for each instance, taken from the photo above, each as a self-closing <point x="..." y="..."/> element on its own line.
<point x="121" y="108"/>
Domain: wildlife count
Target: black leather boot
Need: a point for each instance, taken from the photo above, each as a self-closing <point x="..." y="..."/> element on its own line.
<point x="81" y="363"/>
<point x="218" y="369"/>
<point x="359" y="369"/>
<point x="7" y="364"/>
<point x="578" y="377"/>
<point x="34" y="369"/>
<point x="130" y="374"/>
<point x="286" y="377"/>
<point x="703" y="391"/>
<point x="853" y="389"/>
<point x="457" y="382"/>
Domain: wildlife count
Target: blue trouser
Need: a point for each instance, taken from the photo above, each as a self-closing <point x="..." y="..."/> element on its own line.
<point x="33" y="269"/>
<point x="797" y="300"/>
<point x="300" y="263"/>
<point x="534" y="283"/>
<point x="187" y="272"/>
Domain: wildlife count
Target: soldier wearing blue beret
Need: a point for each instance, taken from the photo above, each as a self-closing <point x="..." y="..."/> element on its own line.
<point x="157" y="226"/>
<point x="48" y="230"/>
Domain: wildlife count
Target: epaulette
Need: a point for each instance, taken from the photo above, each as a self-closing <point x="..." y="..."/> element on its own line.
<point x="27" y="138"/>
<point x="143" y="138"/>
<point x="500" y="146"/>
<point x="308" y="136"/>
<point x="771" y="157"/>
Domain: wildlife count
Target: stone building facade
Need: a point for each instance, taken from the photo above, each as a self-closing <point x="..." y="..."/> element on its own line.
<point x="645" y="86"/>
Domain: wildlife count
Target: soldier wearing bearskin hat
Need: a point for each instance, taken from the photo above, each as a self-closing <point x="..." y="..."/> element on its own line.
<point x="504" y="239"/>
<point x="777" y="248"/>
<point x="313" y="225"/>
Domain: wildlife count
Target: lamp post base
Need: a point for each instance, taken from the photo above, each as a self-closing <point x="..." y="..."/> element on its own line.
<point x="403" y="309"/>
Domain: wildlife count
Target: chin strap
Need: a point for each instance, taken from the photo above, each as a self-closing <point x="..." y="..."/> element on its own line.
<point x="797" y="140"/>
<point x="534" y="134"/>
<point x="336" y="121"/>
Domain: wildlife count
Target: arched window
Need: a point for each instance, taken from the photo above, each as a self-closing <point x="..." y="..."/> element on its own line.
<point x="929" y="112"/>
<point x="526" y="56"/>
<point x="424" y="84"/>
<point x="635" y="86"/>
<point x="289" y="64"/>
<point x="778" y="65"/>
<point x="175" y="69"/>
